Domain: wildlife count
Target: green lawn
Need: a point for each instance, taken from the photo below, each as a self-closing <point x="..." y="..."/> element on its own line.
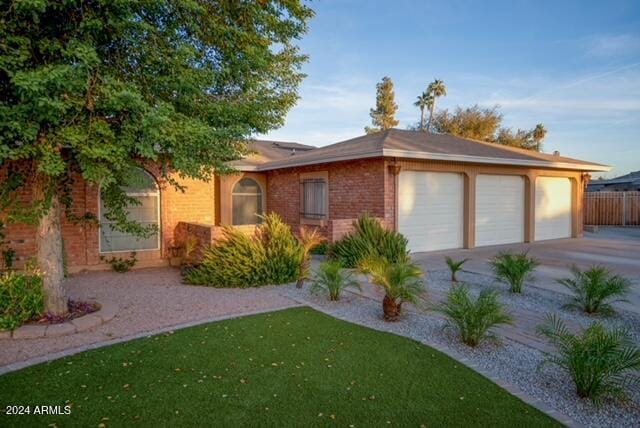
<point x="296" y="367"/>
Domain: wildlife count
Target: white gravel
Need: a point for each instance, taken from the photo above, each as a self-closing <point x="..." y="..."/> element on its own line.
<point x="513" y="362"/>
<point x="537" y="300"/>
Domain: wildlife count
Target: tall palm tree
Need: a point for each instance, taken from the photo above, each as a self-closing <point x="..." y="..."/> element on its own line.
<point x="538" y="134"/>
<point x="436" y="89"/>
<point x="425" y="100"/>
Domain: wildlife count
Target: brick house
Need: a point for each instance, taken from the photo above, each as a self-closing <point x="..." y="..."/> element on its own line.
<point x="440" y="191"/>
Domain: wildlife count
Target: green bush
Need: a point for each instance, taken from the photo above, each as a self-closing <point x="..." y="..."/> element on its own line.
<point x="320" y="249"/>
<point x="21" y="298"/>
<point x="474" y="318"/>
<point x="600" y="362"/>
<point x="369" y="239"/>
<point x="271" y="255"/>
<point x="121" y="264"/>
<point x="514" y="269"/>
<point x="332" y="279"/>
<point x="594" y="289"/>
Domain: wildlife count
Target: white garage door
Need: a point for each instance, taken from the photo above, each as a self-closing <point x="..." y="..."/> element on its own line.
<point x="431" y="209"/>
<point x="553" y="208"/>
<point x="499" y="209"/>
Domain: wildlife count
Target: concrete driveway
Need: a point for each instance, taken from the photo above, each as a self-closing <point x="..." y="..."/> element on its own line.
<point x="616" y="248"/>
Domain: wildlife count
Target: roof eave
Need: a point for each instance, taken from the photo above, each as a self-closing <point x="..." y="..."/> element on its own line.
<point x="493" y="160"/>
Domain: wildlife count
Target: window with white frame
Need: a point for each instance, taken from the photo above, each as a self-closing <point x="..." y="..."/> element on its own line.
<point x="246" y="202"/>
<point x="144" y="189"/>
<point x="314" y="198"/>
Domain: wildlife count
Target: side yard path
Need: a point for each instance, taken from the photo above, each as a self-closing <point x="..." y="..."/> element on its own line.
<point x="149" y="300"/>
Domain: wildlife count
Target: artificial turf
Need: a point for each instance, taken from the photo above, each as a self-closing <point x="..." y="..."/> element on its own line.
<point x="295" y="367"/>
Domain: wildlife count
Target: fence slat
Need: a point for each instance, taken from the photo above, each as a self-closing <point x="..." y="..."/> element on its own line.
<point x="612" y="208"/>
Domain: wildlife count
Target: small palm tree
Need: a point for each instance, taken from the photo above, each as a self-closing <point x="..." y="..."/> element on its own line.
<point x="332" y="279"/>
<point x="401" y="282"/>
<point x="435" y="89"/>
<point x="425" y="100"/>
<point x="309" y="239"/>
<point x="595" y="289"/>
<point x="514" y="269"/>
<point x="454" y="266"/>
<point x="600" y="361"/>
<point x="474" y="319"/>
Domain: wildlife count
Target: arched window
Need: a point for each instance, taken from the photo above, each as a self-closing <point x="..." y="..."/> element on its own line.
<point x="246" y="202"/>
<point x="143" y="187"/>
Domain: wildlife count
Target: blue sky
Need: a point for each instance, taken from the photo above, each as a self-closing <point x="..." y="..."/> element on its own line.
<point x="572" y="65"/>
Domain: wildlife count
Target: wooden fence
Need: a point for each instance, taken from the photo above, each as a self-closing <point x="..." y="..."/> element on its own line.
<point x="612" y="208"/>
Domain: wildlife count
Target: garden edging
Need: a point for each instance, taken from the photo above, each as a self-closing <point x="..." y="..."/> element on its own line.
<point x="107" y="311"/>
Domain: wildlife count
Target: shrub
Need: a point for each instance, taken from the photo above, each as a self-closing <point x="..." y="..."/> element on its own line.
<point x="474" y="318"/>
<point x="401" y="282"/>
<point x="599" y="361"/>
<point x="321" y="249"/>
<point x="120" y="264"/>
<point x="308" y="239"/>
<point x="332" y="279"/>
<point x="271" y="255"/>
<point x="514" y="269"/>
<point x="369" y="239"/>
<point x="454" y="266"/>
<point x="594" y="289"/>
<point x="21" y="298"/>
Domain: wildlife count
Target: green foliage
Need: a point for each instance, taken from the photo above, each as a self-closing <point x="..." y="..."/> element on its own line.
<point x="485" y="124"/>
<point x="272" y="255"/>
<point x="594" y="289"/>
<point x="600" y="362"/>
<point x="121" y="264"/>
<point x="514" y="269"/>
<point x="402" y="280"/>
<point x="455" y="266"/>
<point x="21" y="298"/>
<point x="308" y="238"/>
<point x="383" y="116"/>
<point x="369" y="239"/>
<point x="332" y="279"/>
<point x="321" y="249"/>
<point x="8" y="255"/>
<point x="95" y="88"/>
<point x="425" y="100"/>
<point x="474" y="318"/>
<point x="435" y="90"/>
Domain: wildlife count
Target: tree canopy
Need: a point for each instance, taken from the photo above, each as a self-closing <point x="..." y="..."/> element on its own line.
<point x="96" y="87"/>
<point x="383" y="116"/>
<point x="485" y="124"/>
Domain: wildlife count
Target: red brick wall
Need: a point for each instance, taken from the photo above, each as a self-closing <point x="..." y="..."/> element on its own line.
<point x="81" y="241"/>
<point x="355" y="188"/>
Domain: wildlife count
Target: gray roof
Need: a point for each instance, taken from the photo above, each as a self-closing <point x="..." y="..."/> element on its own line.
<point x="419" y="145"/>
<point x="264" y="151"/>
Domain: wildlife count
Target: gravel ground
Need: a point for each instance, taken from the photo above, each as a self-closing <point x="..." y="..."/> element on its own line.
<point x="149" y="299"/>
<point x="515" y="363"/>
<point x="534" y="299"/>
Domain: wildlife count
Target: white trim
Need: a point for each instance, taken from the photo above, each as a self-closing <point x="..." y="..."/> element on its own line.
<point x="156" y="194"/>
<point x="410" y="154"/>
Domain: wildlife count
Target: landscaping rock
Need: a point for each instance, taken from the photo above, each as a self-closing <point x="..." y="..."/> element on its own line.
<point x="107" y="312"/>
<point x="56" y="330"/>
<point x="29" y="331"/>
<point x="86" y="322"/>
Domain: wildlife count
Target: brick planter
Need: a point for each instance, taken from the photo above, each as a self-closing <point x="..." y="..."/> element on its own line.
<point x="107" y="312"/>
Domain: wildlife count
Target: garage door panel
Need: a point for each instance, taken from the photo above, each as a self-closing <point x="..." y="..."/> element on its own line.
<point x="499" y="209"/>
<point x="431" y="209"/>
<point x="553" y="209"/>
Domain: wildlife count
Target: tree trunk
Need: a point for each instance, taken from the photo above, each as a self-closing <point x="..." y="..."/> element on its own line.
<point x="391" y="309"/>
<point x="422" y="119"/>
<point x="433" y="106"/>
<point x="49" y="254"/>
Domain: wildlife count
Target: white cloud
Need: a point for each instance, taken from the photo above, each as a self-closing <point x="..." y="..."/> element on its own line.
<point x="613" y="45"/>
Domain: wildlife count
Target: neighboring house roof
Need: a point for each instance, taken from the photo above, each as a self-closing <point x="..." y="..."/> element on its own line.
<point x="628" y="180"/>
<point x="422" y="145"/>
<point x="263" y="151"/>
